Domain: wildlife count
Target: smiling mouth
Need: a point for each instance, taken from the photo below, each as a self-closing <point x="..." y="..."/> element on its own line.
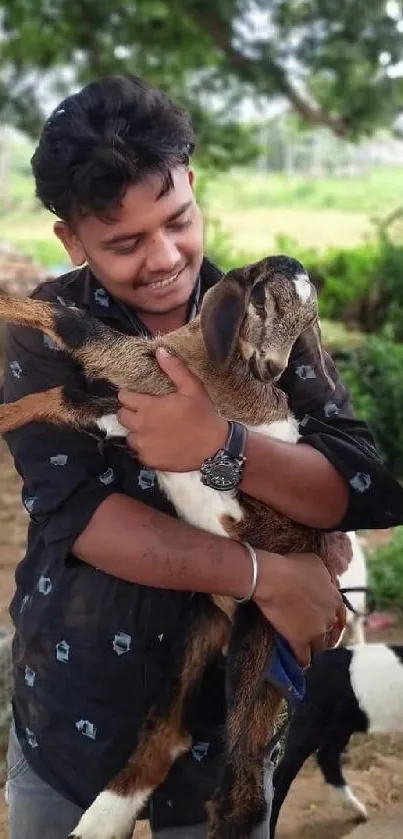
<point x="165" y="283"/>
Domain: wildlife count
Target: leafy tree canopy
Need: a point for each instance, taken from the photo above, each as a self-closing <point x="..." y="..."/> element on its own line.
<point x="331" y="61"/>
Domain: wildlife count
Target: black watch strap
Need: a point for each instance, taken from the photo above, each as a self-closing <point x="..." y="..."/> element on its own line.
<point x="236" y="441"/>
<point x="223" y="470"/>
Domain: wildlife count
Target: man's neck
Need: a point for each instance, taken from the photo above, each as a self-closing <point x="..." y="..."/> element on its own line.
<point x="166" y="322"/>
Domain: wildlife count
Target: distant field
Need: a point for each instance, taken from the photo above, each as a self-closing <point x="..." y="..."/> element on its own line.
<point x="256" y="230"/>
<point x="253" y="209"/>
<point x="374" y="193"/>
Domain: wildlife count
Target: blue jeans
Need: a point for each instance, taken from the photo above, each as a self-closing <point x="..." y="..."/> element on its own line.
<point x="37" y="811"/>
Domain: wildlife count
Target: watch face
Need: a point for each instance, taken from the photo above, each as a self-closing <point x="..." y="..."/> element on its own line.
<point x="221" y="472"/>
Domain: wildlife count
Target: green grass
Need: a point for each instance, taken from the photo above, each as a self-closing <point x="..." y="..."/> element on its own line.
<point x="372" y="194"/>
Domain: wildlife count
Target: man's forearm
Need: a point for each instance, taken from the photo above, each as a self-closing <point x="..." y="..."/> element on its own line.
<point x="296" y="480"/>
<point x="134" y="542"/>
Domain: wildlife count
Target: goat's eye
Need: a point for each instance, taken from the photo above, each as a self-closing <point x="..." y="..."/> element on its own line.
<point x="258" y="295"/>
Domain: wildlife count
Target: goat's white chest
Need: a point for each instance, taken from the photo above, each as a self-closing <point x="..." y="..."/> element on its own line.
<point x="204" y="507"/>
<point x="197" y="504"/>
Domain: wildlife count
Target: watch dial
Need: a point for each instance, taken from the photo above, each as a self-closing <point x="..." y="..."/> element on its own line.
<point x="222" y="474"/>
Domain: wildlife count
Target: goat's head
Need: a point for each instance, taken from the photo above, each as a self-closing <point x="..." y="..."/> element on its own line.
<point x="258" y="312"/>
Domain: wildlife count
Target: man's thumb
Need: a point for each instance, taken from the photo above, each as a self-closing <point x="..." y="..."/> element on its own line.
<point x="175" y="369"/>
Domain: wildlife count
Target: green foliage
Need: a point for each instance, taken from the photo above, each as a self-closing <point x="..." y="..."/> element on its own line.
<point x="373" y="373"/>
<point x="47" y="252"/>
<point x="385" y="572"/>
<point x="363" y="286"/>
<point x="349" y="278"/>
<point x="203" y="51"/>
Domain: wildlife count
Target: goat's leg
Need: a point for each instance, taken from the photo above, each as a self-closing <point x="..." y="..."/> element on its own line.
<point x="62" y="407"/>
<point x="163" y="738"/>
<point x="239" y="809"/>
<point x="329" y="760"/>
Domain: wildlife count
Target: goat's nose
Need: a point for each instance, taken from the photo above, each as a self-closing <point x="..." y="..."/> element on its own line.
<point x="266" y="370"/>
<point x="273" y="370"/>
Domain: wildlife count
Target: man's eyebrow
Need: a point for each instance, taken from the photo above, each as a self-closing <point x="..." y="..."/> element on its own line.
<point x="127" y="237"/>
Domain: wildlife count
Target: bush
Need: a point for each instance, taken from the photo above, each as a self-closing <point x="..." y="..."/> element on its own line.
<point x="385" y="573"/>
<point x="363" y="286"/>
<point x="373" y="373"/>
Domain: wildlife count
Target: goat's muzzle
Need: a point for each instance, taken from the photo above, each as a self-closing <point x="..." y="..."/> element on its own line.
<point x="265" y="369"/>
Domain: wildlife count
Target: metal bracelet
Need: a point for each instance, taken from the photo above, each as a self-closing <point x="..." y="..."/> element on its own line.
<point x="255" y="567"/>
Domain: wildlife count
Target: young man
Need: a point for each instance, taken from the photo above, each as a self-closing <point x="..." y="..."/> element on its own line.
<point x="103" y="590"/>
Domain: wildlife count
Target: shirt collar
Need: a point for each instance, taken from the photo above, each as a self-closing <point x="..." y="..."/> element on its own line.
<point x="89" y="294"/>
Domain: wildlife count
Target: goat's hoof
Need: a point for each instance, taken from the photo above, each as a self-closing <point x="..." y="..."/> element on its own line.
<point x="354" y="803"/>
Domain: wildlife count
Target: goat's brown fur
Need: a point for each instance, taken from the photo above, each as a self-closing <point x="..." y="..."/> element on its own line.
<point x="242" y="340"/>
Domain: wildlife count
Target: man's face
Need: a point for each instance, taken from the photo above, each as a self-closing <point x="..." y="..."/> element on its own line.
<point x="149" y="254"/>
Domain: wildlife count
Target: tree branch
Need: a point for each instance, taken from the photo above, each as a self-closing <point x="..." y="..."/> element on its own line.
<point x="253" y="71"/>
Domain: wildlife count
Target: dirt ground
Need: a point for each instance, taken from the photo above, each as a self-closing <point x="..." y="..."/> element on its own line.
<point x="374" y="766"/>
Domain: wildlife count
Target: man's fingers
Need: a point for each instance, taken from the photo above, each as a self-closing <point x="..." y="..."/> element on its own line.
<point x="318" y="644"/>
<point x="128" y="418"/>
<point x="135" y="401"/>
<point x="177" y="371"/>
<point x="302" y="653"/>
<point x="132" y="443"/>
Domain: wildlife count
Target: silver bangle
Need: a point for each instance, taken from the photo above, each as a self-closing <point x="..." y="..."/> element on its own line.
<point x="255" y="567"/>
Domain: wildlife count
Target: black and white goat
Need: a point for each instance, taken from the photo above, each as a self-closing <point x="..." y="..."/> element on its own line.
<point x="348" y="690"/>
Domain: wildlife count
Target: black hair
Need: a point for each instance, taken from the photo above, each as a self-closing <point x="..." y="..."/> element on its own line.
<point x="109" y="136"/>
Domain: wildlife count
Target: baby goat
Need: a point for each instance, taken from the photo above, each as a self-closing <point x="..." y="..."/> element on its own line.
<point x="348" y="690"/>
<point x="238" y="346"/>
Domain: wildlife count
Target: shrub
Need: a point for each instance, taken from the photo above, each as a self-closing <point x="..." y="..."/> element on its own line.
<point x="373" y="373"/>
<point x="385" y="573"/>
<point x="363" y="286"/>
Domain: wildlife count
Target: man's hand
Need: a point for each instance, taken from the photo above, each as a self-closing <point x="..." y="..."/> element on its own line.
<point x="173" y="433"/>
<point x="297" y="596"/>
<point x="339" y="553"/>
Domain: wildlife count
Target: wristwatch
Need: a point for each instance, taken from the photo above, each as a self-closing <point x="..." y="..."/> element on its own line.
<point x="223" y="471"/>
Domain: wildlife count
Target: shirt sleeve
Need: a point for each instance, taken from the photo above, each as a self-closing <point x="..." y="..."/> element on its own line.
<point x="65" y="473"/>
<point x="328" y="424"/>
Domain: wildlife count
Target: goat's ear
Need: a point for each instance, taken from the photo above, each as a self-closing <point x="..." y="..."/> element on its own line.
<point x="312" y="341"/>
<point x="221" y="316"/>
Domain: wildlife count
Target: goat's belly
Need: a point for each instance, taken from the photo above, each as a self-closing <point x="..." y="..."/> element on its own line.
<point x="197" y="504"/>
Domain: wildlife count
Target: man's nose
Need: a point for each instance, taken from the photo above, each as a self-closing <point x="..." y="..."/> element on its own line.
<point x="163" y="256"/>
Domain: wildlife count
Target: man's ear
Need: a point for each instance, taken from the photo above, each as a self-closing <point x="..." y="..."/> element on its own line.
<point x="70" y="242"/>
<point x="221" y="316"/>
